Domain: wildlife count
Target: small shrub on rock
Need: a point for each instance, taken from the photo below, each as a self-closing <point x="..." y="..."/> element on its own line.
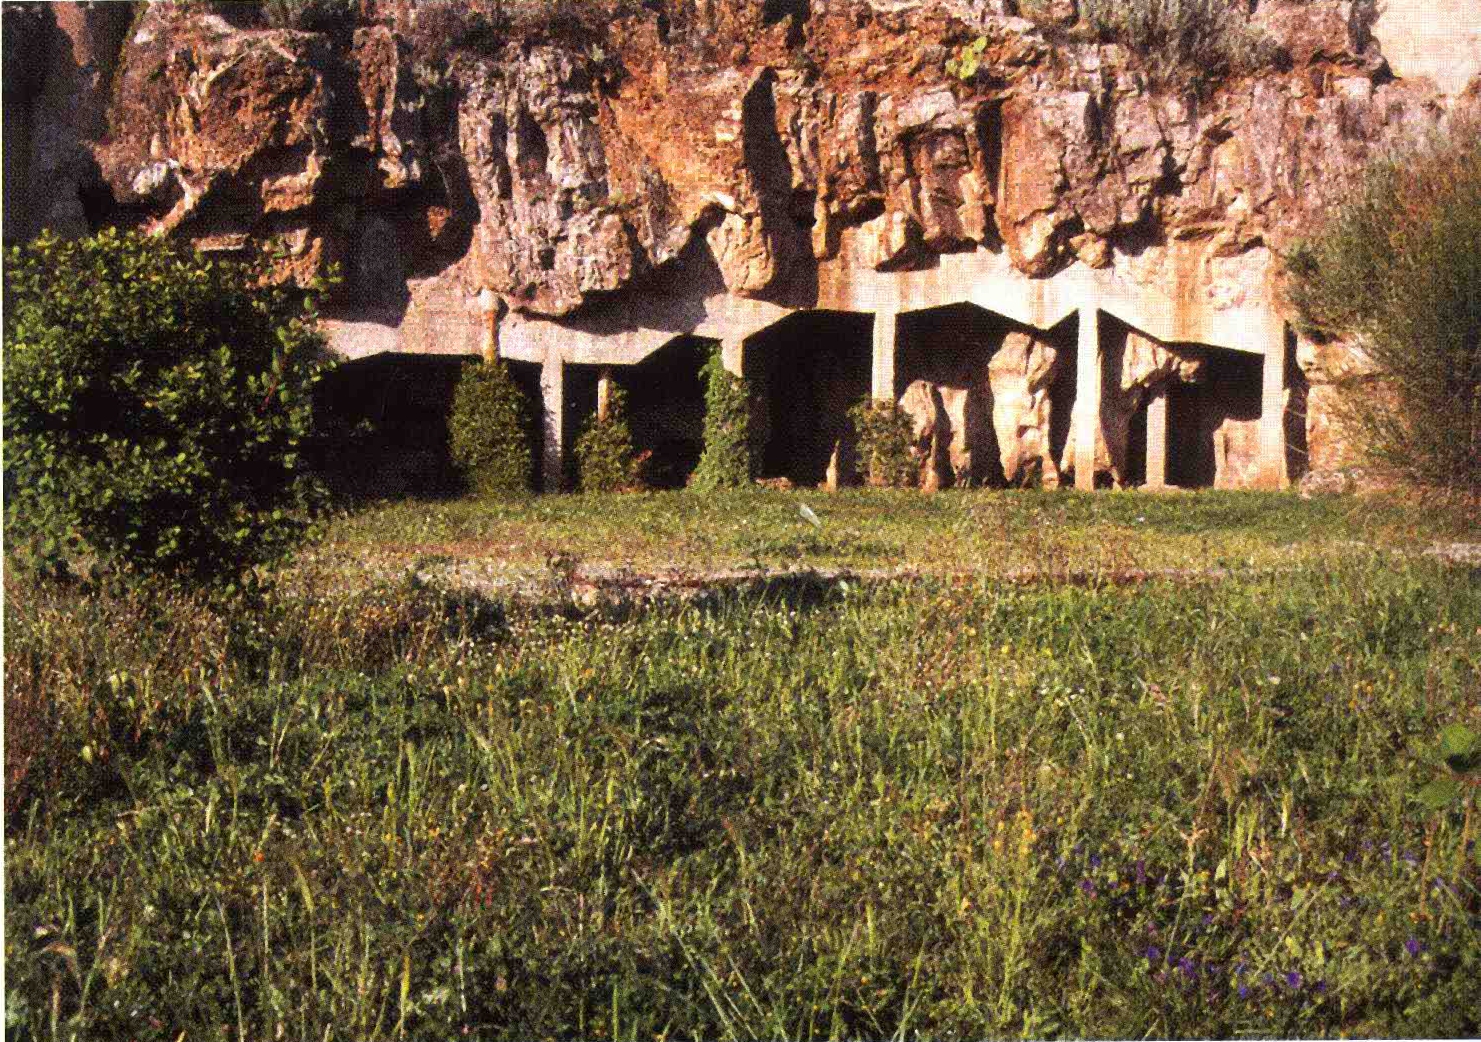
<point x="156" y="405"/>
<point x="726" y="461"/>
<point x="309" y="15"/>
<point x="488" y="429"/>
<point x="884" y="443"/>
<point x="605" y="459"/>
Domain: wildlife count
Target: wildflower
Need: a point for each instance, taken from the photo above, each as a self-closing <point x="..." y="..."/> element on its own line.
<point x="1293" y="979"/>
<point x="1413" y="947"/>
<point x="1153" y="953"/>
<point x="1244" y="991"/>
<point x="1187" y="968"/>
<point x="1087" y="887"/>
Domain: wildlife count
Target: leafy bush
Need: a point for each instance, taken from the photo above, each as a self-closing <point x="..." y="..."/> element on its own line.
<point x="155" y="405"/>
<point x="488" y="429"/>
<point x="726" y="461"/>
<point x="1397" y="272"/>
<point x="884" y="443"/>
<point x="605" y="460"/>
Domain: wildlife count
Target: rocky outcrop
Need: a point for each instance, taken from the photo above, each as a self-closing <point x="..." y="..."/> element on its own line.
<point x="1020" y="374"/>
<point x="568" y="164"/>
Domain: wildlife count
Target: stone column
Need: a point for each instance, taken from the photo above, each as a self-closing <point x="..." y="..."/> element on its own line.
<point x="1271" y="473"/>
<point x="733" y="355"/>
<point x="553" y="428"/>
<point x="1087" y="397"/>
<point x="882" y="378"/>
<point x="490" y="305"/>
<point x="604" y="393"/>
<point x="1157" y="440"/>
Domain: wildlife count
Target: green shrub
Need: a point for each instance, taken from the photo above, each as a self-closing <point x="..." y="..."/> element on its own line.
<point x="605" y="460"/>
<point x="726" y="461"/>
<point x="488" y="427"/>
<point x="155" y="405"/>
<point x="1397" y="272"/>
<point x="884" y="443"/>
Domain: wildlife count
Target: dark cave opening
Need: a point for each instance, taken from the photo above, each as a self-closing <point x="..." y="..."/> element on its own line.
<point x="808" y="370"/>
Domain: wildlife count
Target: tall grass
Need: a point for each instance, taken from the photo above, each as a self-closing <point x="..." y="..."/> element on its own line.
<point x="922" y="809"/>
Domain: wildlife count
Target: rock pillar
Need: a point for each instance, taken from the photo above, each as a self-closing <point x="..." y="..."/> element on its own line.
<point x="489" y="304"/>
<point x="1157" y="439"/>
<point x="882" y="378"/>
<point x="553" y="420"/>
<point x="733" y="355"/>
<point x="1271" y="473"/>
<point x="1087" y="397"/>
<point x="604" y="393"/>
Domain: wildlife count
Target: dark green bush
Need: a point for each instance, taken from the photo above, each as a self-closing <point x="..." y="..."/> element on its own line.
<point x="488" y="427"/>
<point x="155" y="406"/>
<point x="726" y="461"/>
<point x="605" y="459"/>
<point x="1397" y="273"/>
<point x="884" y="443"/>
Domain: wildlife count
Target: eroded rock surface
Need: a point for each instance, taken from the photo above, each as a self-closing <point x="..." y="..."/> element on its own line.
<point x="433" y="154"/>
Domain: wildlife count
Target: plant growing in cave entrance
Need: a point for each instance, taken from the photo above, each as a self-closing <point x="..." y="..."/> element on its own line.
<point x="1397" y="274"/>
<point x="884" y="443"/>
<point x="488" y="428"/>
<point x="605" y="459"/>
<point x="726" y="461"/>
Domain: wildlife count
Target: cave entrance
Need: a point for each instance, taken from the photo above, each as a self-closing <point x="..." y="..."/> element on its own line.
<point x="1213" y="425"/>
<point x="952" y="348"/>
<point x="385" y="423"/>
<point x="808" y="370"/>
<point x="665" y="408"/>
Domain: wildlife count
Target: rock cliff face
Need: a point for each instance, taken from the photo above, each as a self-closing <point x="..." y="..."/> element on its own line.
<point x="688" y="149"/>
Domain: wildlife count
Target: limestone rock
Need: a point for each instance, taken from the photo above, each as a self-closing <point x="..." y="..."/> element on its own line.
<point x="707" y="144"/>
<point x="1020" y="373"/>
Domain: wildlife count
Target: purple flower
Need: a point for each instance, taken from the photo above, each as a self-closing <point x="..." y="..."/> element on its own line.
<point x="1413" y="947"/>
<point x="1321" y="987"/>
<point x="1293" y="979"/>
<point x="1087" y="887"/>
<point x="1141" y="871"/>
<point x="1189" y="970"/>
<point x="1095" y="861"/>
<point x="1244" y="991"/>
<point x="1154" y="953"/>
<point x="1208" y="918"/>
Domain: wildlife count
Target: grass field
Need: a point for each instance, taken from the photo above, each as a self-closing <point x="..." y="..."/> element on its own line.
<point x="967" y="532"/>
<point x="942" y="807"/>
